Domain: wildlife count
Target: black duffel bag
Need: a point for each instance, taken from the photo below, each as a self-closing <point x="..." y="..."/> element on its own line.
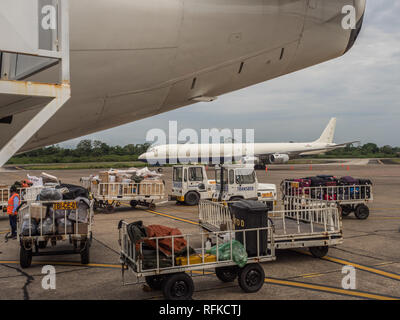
<point x="73" y="191"/>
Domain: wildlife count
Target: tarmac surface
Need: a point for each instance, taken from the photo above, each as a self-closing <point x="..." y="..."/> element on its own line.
<point x="371" y="246"/>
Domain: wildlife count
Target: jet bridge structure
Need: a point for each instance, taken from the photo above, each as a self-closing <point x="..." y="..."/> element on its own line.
<point x="34" y="36"/>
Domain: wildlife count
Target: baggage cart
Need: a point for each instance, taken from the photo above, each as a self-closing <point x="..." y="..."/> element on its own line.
<point x="350" y="198"/>
<point x="316" y="226"/>
<point x="34" y="237"/>
<point x="110" y="195"/>
<point x="4" y="196"/>
<point x="175" y="277"/>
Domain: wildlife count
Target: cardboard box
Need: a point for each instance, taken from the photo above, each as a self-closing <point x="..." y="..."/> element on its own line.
<point x="80" y="228"/>
<point x="4" y="193"/>
<point x="38" y="211"/>
<point x="61" y="228"/>
<point x="103" y="176"/>
<point x="151" y="187"/>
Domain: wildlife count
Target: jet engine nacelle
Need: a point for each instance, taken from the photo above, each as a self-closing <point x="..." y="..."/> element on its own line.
<point x="278" y="158"/>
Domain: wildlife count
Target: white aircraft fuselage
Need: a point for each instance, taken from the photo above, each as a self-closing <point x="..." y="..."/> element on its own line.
<point x="134" y="59"/>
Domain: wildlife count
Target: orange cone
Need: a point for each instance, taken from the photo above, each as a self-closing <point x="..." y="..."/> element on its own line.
<point x="266" y="169"/>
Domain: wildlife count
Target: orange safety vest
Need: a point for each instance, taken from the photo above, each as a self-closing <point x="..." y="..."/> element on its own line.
<point x="10" y="206"/>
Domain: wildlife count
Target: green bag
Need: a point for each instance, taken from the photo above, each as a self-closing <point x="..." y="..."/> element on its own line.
<point x="239" y="254"/>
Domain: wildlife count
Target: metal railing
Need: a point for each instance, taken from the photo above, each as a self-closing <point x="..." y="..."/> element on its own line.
<point x="132" y="254"/>
<point x="129" y="190"/>
<point x="346" y="193"/>
<point x="4" y="196"/>
<point x="318" y="216"/>
<point x="30" y="193"/>
<point x="215" y="214"/>
<point x="41" y="211"/>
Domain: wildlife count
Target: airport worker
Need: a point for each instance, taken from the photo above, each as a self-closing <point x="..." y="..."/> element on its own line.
<point x="12" y="210"/>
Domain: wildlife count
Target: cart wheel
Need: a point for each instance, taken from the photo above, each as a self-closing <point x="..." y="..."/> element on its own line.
<point x="155" y="282"/>
<point x="319" y="252"/>
<point x="346" y="210"/>
<point x="178" y="286"/>
<point x="110" y="208"/>
<point x="152" y="206"/>
<point x="192" y="198"/>
<point x="25" y="257"/>
<point x="226" y="274"/>
<point x="85" y="254"/>
<point x="251" y="278"/>
<point x="362" y="212"/>
<point x="133" y="203"/>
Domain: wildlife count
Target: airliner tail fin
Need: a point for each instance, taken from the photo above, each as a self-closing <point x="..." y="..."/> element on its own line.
<point x="329" y="132"/>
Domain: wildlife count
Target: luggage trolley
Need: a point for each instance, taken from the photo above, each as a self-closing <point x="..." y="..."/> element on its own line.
<point x="315" y="226"/>
<point x="350" y="198"/>
<point x="111" y="194"/>
<point x="4" y="195"/>
<point x="173" y="275"/>
<point x="34" y="237"/>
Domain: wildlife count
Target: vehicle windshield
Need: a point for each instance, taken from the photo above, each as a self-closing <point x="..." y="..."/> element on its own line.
<point x="178" y="174"/>
<point x="245" y="176"/>
<point x="195" y="174"/>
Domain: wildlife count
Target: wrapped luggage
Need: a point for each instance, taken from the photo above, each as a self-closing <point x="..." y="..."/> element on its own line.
<point x="50" y="194"/>
<point x="47" y="227"/>
<point x="81" y="214"/>
<point x="29" y="227"/>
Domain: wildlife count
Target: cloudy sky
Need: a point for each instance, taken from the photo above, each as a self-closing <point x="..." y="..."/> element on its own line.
<point x="361" y="89"/>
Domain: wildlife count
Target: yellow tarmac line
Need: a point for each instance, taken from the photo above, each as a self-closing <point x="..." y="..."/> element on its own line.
<point x="358" y="294"/>
<point x="75" y="264"/>
<point x="4" y="232"/>
<point x="287" y="283"/>
<point x="383" y="273"/>
<point x="172" y="217"/>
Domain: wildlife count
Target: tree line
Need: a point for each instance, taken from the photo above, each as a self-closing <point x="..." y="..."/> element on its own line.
<point x="98" y="151"/>
<point x="368" y="150"/>
<point x="85" y="151"/>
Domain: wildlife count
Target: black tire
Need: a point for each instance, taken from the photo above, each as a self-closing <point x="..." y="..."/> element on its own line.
<point x="155" y="282"/>
<point x="178" y="286"/>
<point x="85" y="253"/>
<point x="346" y="210"/>
<point x="319" y="252"/>
<point x="251" y="278"/>
<point x="133" y="203"/>
<point x="361" y="212"/>
<point x="192" y="198"/>
<point x="25" y="257"/>
<point x="226" y="274"/>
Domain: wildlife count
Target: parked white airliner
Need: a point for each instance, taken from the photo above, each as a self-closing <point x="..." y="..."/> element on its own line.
<point x="132" y="59"/>
<point x="254" y="153"/>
